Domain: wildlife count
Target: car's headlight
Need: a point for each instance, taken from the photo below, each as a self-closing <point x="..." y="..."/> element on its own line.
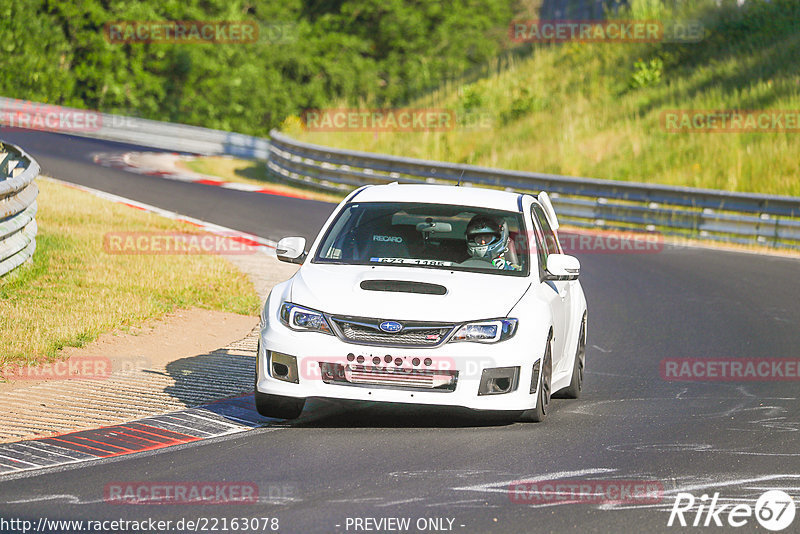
<point x="300" y="318"/>
<point x="486" y="331"/>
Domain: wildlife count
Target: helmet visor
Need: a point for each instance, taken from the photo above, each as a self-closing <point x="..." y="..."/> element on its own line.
<point x="483" y="239"/>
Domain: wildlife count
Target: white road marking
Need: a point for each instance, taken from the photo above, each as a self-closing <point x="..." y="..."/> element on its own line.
<point x="404" y="501"/>
<point x="71" y="499"/>
<point x="45" y="450"/>
<point x="215" y="421"/>
<point x="15" y="460"/>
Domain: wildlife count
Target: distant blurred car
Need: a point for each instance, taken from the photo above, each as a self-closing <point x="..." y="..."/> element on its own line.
<point x="426" y="294"/>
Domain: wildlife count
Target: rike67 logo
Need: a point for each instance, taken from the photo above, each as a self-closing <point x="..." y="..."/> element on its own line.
<point x="774" y="510"/>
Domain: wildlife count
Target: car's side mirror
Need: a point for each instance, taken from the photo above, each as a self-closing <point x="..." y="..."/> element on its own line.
<point x="292" y="249"/>
<point x="563" y="267"/>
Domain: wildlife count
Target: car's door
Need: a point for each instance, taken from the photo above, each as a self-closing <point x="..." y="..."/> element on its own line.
<point x="548" y="244"/>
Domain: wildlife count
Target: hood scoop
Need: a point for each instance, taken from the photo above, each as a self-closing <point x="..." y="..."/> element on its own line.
<point x="403" y="286"/>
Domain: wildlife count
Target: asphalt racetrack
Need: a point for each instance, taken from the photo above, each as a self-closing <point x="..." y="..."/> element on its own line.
<point x="451" y="471"/>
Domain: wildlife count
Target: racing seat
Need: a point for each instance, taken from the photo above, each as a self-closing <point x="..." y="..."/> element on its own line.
<point x="382" y="240"/>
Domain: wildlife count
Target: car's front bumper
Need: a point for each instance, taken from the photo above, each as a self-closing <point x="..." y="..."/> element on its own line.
<point x="469" y="360"/>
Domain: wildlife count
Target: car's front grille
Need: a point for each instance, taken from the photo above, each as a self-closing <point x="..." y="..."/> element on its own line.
<point x="428" y="336"/>
<point x="413" y="334"/>
<point x="398" y="377"/>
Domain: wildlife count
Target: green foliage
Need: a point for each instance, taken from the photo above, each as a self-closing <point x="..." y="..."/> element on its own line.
<point x="647" y="9"/>
<point x="523" y="101"/>
<point x="366" y="52"/>
<point x="647" y="73"/>
<point x="570" y="109"/>
<point x="472" y="98"/>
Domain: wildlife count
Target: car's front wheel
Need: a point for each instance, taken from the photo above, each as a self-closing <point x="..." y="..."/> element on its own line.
<point x="573" y="391"/>
<point x="537" y="415"/>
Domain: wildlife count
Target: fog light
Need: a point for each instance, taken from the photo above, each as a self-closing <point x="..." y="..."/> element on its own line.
<point x="498" y="380"/>
<point x="283" y="367"/>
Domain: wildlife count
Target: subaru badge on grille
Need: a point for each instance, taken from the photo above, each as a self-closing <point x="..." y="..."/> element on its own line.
<point x="390" y="327"/>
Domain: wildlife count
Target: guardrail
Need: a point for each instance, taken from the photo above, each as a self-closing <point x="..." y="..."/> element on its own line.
<point x="745" y="218"/>
<point x="18" y="206"/>
<point x="125" y="129"/>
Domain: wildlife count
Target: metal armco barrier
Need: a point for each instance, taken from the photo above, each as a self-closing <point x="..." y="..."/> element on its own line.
<point x="745" y="218"/>
<point x="120" y="128"/>
<point x="18" y="193"/>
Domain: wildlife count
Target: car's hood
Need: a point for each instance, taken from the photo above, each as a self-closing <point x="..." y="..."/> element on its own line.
<point x="336" y="289"/>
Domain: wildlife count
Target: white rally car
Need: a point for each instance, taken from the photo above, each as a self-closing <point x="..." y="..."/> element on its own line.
<point x="426" y="294"/>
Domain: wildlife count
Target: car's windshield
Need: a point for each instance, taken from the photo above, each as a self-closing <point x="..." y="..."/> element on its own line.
<point x="427" y="235"/>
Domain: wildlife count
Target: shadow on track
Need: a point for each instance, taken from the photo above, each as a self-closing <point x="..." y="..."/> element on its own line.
<point x="355" y="414"/>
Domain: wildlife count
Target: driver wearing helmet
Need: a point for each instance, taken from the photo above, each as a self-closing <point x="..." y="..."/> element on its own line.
<point x="487" y="240"/>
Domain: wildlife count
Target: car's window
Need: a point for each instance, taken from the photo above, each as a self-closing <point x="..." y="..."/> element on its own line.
<point x="551" y="243"/>
<point x="541" y="250"/>
<point x="424" y="235"/>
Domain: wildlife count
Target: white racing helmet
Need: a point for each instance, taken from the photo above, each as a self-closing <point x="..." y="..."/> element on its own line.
<point x="496" y="232"/>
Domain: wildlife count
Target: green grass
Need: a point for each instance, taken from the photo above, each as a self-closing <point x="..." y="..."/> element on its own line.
<point x="73" y="290"/>
<point x="594" y="109"/>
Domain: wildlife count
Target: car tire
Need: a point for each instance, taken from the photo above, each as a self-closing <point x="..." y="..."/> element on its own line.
<point x="538" y="414"/>
<point x="573" y="391"/>
<point x="275" y="406"/>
